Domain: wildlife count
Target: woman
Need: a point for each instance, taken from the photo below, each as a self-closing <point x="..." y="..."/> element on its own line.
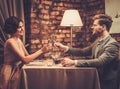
<point x="15" y="54"/>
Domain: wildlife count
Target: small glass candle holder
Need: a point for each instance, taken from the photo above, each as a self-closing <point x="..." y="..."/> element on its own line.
<point x="56" y="57"/>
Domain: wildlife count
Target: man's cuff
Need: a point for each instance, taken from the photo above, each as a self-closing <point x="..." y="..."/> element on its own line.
<point x="76" y="61"/>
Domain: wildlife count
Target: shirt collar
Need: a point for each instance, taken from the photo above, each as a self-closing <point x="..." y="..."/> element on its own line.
<point x="103" y="40"/>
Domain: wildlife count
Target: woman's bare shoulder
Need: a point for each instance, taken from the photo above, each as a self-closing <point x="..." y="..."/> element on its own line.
<point x="10" y="41"/>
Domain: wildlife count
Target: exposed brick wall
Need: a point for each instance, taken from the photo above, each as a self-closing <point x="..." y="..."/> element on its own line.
<point x="43" y="19"/>
<point x="116" y="36"/>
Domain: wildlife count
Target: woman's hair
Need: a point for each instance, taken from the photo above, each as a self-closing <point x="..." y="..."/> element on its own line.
<point x="11" y="25"/>
<point x="104" y="20"/>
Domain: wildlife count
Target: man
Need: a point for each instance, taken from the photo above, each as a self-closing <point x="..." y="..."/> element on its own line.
<point x="105" y="52"/>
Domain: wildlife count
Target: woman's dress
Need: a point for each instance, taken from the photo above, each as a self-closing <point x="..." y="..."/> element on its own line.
<point x="10" y="70"/>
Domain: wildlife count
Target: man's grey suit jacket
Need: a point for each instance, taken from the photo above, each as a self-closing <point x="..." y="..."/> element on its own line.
<point x="105" y="60"/>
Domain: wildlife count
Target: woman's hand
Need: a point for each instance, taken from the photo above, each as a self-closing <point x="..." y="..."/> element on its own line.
<point x="45" y="48"/>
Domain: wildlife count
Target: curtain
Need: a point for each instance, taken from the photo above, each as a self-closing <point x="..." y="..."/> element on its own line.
<point x="9" y="8"/>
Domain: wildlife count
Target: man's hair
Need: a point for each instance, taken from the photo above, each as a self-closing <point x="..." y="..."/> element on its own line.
<point x="104" y="19"/>
<point x="11" y="25"/>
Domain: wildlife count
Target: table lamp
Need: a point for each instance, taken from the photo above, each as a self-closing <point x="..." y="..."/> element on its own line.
<point x="71" y="18"/>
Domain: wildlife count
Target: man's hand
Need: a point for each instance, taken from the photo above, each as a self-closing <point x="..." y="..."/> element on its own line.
<point x="61" y="46"/>
<point x="67" y="62"/>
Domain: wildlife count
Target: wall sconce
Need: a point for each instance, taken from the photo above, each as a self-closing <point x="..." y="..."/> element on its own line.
<point x="71" y="18"/>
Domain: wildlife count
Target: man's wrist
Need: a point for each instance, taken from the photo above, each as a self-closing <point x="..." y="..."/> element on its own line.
<point x="66" y="48"/>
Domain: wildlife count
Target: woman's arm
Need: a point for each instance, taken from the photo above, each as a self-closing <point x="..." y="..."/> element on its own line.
<point x="25" y="56"/>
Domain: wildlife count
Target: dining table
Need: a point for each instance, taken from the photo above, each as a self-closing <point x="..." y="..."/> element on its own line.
<point x="45" y="74"/>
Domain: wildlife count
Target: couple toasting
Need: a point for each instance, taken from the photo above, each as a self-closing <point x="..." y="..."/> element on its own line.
<point x="104" y="52"/>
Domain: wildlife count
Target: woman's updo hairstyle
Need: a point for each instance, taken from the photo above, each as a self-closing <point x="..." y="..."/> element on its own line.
<point x="11" y="25"/>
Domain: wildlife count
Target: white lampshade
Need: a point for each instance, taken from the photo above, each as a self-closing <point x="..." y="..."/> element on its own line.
<point x="71" y="17"/>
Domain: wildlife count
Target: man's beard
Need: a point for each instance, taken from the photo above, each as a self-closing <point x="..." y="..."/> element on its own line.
<point x="95" y="35"/>
<point x="98" y="33"/>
